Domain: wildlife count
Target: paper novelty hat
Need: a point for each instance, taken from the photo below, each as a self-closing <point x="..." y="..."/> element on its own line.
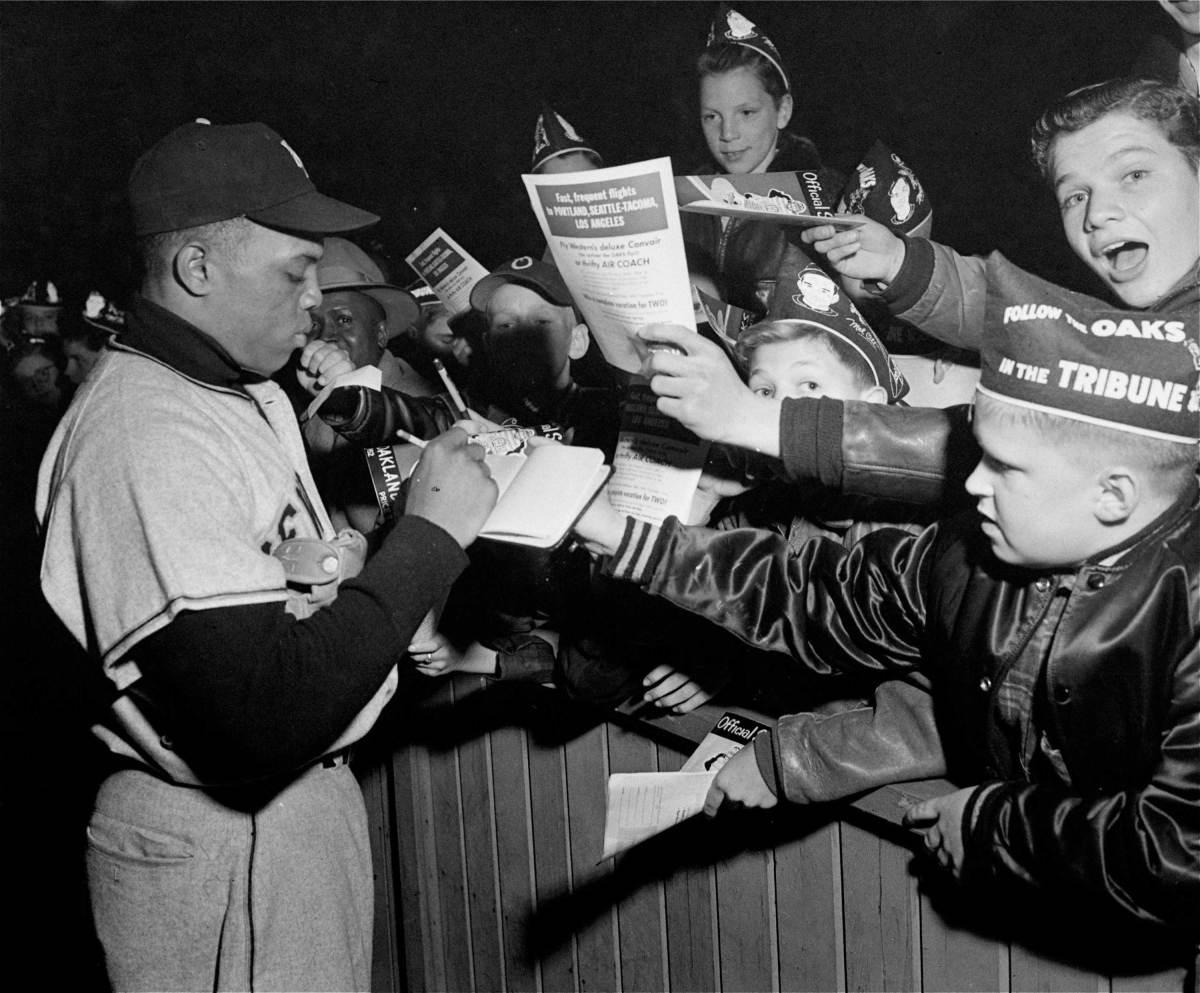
<point x="345" y="266"/>
<point x="40" y="293"/>
<point x="553" y="136"/>
<point x="103" y="314"/>
<point x="886" y="190"/>
<point x="1066" y="353"/>
<point x="731" y="28"/>
<point x="805" y="292"/>
<point x="201" y="173"/>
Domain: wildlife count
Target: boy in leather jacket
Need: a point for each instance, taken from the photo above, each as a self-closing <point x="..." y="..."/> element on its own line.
<point x="1059" y="623"/>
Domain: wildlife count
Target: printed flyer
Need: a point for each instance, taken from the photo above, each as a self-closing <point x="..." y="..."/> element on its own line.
<point x="616" y="238"/>
<point x="448" y="268"/>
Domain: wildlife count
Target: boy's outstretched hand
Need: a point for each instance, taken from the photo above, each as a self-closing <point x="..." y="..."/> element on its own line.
<point x="703" y="391"/>
<point x="868" y="251"/>
<point x="940" y="822"/>
<point x="600" y="527"/>
<point x="739" y="782"/>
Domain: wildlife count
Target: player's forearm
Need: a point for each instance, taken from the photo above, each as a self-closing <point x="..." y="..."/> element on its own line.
<point x="249" y="692"/>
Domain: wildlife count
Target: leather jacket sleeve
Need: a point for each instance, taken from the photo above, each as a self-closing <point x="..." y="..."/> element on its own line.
<point x="370" y="417"/>
<point x="1138" y="849"/>
<point x="832" y="609"/>
<point x="832" y="753"/>
<point x="915" y="455"/>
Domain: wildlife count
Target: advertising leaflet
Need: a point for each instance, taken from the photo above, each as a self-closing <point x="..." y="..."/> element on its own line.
<point x="448" y="269"/>
<point x="616" y="238"/>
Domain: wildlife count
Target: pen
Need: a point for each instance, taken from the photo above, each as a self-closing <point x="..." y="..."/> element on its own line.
<point x="412" y="439"/>
<point x="455" y="396"/>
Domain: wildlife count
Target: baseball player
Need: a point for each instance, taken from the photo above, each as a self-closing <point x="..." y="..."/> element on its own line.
<point x="187" y="549"/>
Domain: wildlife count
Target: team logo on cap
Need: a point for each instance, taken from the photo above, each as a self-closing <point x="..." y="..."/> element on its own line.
<point x="739" y="27"/>
<point x="816" y="291"/>
<point x="524" y="262"/>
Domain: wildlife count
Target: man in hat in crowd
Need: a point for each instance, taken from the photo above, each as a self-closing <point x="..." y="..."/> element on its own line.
<point x="187" y="549"/>
<point x="38" y="309"/>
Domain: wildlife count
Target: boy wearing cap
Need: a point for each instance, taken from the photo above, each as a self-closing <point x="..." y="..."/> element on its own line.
<point x="228" y="844"/>
<point x="1058" y="624"/>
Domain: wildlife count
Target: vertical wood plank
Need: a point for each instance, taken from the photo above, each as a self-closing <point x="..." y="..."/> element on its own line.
<point x="421" y="913"/>
<point x="641" y="915"/>
<point x="386" y="958"/>
<point x="514" y="853"/>
<point x="479" y="852"/>
<point x="552" y="874"/>
<point x="882" y="917"/>
<point x="808" y="893"/>
<point x="587" y="778"/>
<point x="447" y="831"/>
<point x="746" y="924"/>
<point x="957" y="960"/>
<point x="689" y="896"/>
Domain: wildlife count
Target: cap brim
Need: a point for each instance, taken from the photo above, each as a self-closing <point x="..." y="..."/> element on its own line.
<point x="314" y="213"/>
<point x="400" y="306"/>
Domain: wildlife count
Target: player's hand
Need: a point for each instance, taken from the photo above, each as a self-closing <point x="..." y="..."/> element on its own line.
<point x="600" y="527"/>
<point x="940" y="823"/>
<point x="321" y="362"/>
<point x="452" y="487"/>
<point x="703" y="391"/>
<point x="867" y="251"/>
<point x="669" y="689"/>
<point x="739" y="782"/>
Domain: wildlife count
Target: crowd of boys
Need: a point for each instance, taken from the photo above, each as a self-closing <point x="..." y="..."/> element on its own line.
<point x="1006" y="594"/>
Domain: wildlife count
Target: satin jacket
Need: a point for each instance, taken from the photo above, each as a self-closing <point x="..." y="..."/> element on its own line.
<point x="1119" y="696"/>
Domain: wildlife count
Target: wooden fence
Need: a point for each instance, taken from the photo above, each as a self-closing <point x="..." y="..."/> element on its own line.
<point x="487" y="824"/>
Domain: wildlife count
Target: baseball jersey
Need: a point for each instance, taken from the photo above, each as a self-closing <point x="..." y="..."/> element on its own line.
<point x="158" y="494"/>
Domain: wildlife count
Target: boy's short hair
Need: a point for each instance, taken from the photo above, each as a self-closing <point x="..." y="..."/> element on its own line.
<point x="771" y="332"/>
<point x="1170" y="466"/>
<point x="1175" y="110"/>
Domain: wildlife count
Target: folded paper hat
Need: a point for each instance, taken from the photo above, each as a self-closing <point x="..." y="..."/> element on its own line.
<point x="805" y="292"/>
<point x="731" y="28"/>
<point x="40" y="293"/>
<point x="886" y="190"/>
<point x="1066" y="353"/>
<point x="201" y="173"/>
<point x="345" y="266"/>
<point x="524" y="271"/>
<point x="103" y="314"/>
<point x="553" y="136"/>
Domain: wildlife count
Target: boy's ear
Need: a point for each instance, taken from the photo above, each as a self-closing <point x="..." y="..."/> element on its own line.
<point x="192" y="269"/>
<point x="580" y="336"/>
<point x="381" y="334"/>
<point x="1120" y="493"/>
<point x="876" y="394"/>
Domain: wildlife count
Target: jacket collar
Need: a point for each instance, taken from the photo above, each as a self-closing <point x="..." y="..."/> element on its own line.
<point x="1185" y="504"/>
<point x="166" y="337"/>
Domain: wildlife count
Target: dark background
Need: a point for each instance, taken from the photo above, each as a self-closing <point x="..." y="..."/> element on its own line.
<point x="424" y="112"/>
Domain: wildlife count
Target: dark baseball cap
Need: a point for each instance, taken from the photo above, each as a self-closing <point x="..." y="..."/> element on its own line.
<point x="539" y="276"/>
<point x="202" y="172"/>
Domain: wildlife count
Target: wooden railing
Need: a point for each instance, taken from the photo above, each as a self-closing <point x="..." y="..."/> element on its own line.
<point x="487" y="812"/>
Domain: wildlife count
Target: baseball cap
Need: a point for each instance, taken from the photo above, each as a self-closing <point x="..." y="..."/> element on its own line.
<point x="345" y="266"/>
<point x="203" y="172"/>
<point x="524" y="271"/>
